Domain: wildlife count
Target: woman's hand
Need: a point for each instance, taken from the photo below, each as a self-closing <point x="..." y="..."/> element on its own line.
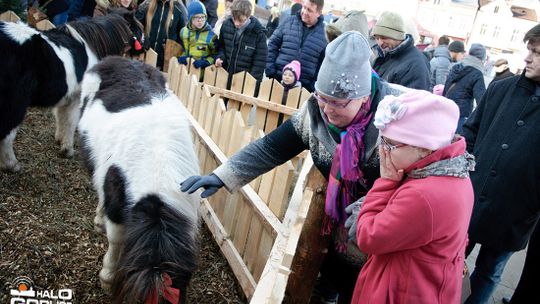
<point x="387" y="168"/>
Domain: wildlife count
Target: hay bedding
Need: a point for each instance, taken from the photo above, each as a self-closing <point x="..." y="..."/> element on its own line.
<point x="46" y="226"/>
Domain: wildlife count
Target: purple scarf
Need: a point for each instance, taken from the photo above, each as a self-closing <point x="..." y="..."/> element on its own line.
<point x="345" y="184"/>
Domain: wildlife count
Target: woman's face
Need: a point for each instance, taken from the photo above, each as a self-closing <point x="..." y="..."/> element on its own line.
<point x="125" y="3"/>
<point x="340" y="112"/>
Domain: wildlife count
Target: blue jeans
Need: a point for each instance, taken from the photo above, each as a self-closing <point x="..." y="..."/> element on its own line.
<point x="487" y="273"/>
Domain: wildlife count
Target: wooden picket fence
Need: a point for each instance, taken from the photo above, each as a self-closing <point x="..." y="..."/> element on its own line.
<point x="269" y="231"/>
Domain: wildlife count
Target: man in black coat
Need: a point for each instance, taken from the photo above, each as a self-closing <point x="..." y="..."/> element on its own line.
<point x="504" y="136"/>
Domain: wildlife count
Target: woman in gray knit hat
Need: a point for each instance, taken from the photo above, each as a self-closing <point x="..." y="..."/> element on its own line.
<point x="335" y="124"/>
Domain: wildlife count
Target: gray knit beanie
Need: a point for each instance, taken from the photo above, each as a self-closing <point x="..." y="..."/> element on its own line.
<point x="390" y="25"/>
<point x="477" y="50"/>
<point x="345" y="72"/>
<point x="352" y="21"/>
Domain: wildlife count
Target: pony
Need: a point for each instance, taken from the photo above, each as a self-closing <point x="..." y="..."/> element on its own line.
<point x="44" y="69"/>
<point x="136" y="143"/>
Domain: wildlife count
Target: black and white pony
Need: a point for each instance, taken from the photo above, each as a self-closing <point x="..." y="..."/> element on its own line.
<point x="45" y="69"/>
<point x="137" y="144"/>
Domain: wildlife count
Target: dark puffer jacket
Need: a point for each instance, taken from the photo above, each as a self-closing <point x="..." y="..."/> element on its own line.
<point x="249" y="53"/>
<point x="465" y="82"/>
<point x="158" y="35"/>
<point x="404" y="65"/>
<point x="286" y="45"/>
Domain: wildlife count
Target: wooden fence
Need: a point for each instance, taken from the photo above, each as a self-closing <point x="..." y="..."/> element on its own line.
<point x="269" y="231"/>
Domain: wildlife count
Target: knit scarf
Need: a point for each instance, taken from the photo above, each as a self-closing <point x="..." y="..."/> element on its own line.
<point x="345" y="184"/>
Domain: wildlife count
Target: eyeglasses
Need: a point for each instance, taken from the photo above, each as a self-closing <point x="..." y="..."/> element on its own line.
<point x="388" y="146"/>
<point x="199" y="17"/>
<point x="332" y="103"/>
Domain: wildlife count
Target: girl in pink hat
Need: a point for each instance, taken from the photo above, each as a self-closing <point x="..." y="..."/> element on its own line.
<point x="413" y="222"/>
<point x="291" y="76"/>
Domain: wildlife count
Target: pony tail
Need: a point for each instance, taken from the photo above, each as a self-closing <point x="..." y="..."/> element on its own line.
<point x="159" y="256"/>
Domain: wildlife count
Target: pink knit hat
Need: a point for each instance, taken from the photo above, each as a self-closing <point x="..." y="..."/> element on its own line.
<point x="294" y="66"/>
<point x="418" y="118"/>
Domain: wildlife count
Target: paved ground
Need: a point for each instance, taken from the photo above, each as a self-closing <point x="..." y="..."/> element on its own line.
<point x="511" y="274"/>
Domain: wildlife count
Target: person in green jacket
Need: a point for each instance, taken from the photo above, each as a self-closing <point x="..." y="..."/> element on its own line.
<point x="197" y="38"/>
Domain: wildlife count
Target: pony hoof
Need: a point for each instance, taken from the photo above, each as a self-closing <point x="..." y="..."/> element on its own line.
<point x="105" y="280"/>
<point x="66" y="153"/>
<point x="106" y="286"/>
<point x="14" y="168"/>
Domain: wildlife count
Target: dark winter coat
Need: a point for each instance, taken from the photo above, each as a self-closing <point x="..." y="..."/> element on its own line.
<point x="246" y="52"/>
<point x="503" y="135"/>
<point x="54" y="7"/>
<point x="271" y="26"/>
<point x="465" y="83"/>
<point x="211" y="11"/>
<point x="286" y="45"/>
<point x="502" y="75"/>
<point x="404" y="65"/>
<point x="158" y="35"/>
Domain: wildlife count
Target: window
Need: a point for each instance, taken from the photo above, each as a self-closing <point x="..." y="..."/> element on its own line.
<point x="515" y="35"/>
<point x="483" y="29"/>
<point x="496" y="31"/>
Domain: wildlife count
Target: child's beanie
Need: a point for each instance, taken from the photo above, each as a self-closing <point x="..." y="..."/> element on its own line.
<point x="294" y="66"/>
<point x="194" y="8"/>
<point x="418" y="118"/>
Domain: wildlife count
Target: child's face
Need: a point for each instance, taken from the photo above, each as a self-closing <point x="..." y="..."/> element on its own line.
<point x="240" y="20"/>
<point x="288" y="77"/>
<point x="198" y="21"/>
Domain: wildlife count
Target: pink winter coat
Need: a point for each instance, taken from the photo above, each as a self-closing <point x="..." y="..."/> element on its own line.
<point x="415" y="232"/>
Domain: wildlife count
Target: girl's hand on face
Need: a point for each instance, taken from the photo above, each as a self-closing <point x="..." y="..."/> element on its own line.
<point x="387" y="168"/>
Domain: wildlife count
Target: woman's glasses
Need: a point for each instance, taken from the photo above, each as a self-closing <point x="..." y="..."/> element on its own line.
<point x="341" y="105"/>
<point x="388" y="146"/>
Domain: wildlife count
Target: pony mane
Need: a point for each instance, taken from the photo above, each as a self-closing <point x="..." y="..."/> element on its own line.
<point x="107" y="35"/>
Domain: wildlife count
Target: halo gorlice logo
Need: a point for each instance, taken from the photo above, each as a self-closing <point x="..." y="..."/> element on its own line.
<point x="24" y="293"/>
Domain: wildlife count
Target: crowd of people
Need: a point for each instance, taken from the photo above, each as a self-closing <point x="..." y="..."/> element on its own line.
<point x="423" y="161"/>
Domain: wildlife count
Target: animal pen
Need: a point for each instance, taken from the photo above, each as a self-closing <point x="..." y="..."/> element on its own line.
<point x="270" y="230"/>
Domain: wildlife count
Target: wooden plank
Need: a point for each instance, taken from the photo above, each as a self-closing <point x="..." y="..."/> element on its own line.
<point x="209" y="119"/>
<point x="261" y="103"/>
<point x="263" y="256"/>
<point x="237" y="84"/>
<point x="272" y="116"/>
<point x="184" y="84"/>
<point x="253" y="239"/>
<point x="281" y="186"/>
<point x="173" y="76"/>
<point x="250" y="83"/>
<point x="245" y="215"/>
<point x="194" y="95"/>
<point x="243" y="275"/>
<point x="204" y="104"/>
<point x="225" y="132"/>
<point x="210" y="74"/>
<point x="9" y="16"/>
<point x="219" y="111"/>
<point x="304" y="96"/>
<point x="265" y="189"/>
<point x="151" y="57"/>
<point x="265" y="91"/>
<point x="221" y="78"/>
<point x="45" y="25"/>
<point x="293" y="97"/>
<point x="312" y="246"/>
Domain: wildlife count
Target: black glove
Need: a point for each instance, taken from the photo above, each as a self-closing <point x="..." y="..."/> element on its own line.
<point x="353" y="210"/>
<point x="201" y="63"/>
<point x="211" y="183"/>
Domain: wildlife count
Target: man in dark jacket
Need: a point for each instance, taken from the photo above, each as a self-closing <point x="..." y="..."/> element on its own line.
<point x="242" y="42"/>
<point x="465" y="82"/>
<point x="502" y="134"/>
<point x="398" y="60"/>
<point x="301" y="37"/>
<point x="502" y="70"/>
